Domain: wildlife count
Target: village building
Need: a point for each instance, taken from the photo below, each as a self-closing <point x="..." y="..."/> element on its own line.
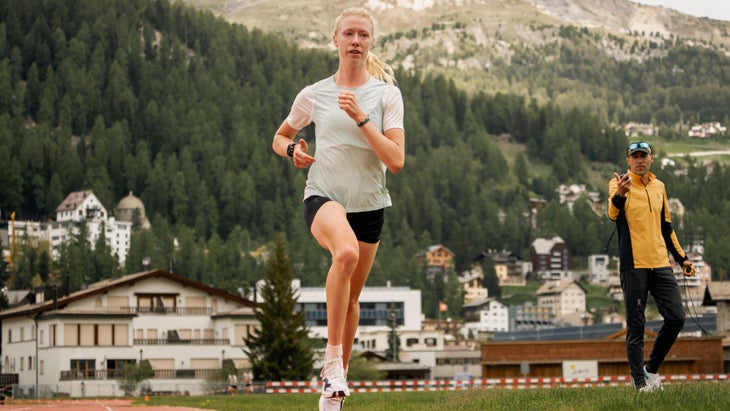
<point x="550" y="258"/>
<point x="81" y="207"/>
<point x="565" y="298"/>
<point x="77" y="344"/>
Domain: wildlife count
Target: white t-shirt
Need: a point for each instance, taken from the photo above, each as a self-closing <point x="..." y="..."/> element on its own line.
<point x="347" y="170"/>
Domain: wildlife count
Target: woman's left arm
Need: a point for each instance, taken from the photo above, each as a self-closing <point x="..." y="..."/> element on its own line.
<point x="389" y="146"/>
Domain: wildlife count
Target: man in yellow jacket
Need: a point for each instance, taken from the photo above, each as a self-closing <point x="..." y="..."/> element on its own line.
<point x="638" y="204"/>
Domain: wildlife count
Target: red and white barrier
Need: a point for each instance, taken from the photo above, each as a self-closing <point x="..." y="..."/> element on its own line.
<point x="307" y="387"/>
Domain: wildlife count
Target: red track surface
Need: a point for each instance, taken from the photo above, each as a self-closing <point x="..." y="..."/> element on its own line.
<point x="85" y="405"/>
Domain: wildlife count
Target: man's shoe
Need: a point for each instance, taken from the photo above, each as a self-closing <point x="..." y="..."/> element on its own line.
<point x="334" y="384"/>
<point x="653" y="380"/>
<point x="645" y="389"/>
<point x="331" y="403"/>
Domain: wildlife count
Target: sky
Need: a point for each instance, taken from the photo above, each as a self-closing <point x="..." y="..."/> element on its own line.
<point x="715" y="9"/>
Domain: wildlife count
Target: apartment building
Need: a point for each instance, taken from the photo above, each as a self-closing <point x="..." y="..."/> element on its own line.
<point x="77" y="344"/>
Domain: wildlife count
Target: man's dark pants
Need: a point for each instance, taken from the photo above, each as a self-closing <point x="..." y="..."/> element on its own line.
<point x="662" y="285"/>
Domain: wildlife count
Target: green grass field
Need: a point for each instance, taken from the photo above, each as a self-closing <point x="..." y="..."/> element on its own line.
<point x="685" y="396"/>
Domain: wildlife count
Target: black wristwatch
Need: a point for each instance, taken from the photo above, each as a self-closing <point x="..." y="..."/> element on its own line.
<point x="290" y="149"/>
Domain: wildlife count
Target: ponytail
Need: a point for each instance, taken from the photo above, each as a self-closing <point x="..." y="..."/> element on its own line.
<point x="379" y="70"/>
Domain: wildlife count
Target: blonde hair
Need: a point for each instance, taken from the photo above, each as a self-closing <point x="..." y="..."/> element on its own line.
<point x="377" y="68"/>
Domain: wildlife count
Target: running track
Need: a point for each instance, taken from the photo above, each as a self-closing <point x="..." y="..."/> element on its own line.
<point x="86" y="405"/>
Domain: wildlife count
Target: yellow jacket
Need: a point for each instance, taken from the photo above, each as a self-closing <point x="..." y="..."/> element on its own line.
<point x="644" y="226"/>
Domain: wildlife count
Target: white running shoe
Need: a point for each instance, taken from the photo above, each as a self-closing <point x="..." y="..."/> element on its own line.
<point x="331" y="403"/>
<point x="643" y="389"/>
<point x="653" y="380"/>
<point x="334" y="384"/>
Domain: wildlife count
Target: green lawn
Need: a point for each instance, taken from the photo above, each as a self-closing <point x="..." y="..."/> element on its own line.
<point x="684" y="396"/>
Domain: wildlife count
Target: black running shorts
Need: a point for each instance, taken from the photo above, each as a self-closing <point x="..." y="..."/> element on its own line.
<point x="367" y="225"/>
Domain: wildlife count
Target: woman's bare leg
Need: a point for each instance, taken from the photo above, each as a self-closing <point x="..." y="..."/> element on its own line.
<point x="357" y="282"/>
<point x="332" y="230"/>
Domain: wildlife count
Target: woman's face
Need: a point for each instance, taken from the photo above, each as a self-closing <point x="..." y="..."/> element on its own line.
<point x="354" y="38"/>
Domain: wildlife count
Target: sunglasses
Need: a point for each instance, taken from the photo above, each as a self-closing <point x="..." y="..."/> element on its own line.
<point x="634" y="146"/>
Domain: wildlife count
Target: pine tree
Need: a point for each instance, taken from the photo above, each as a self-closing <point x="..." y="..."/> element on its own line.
<point x="105" y="263"/>
<point x="453" y="294"/>
<point x="280" y="350"/>
<point x="491" y="282"/>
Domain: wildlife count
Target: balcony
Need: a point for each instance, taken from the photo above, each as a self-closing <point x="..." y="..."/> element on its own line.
<point x="182" y="341"/>
<point x="7" y="379"/>
<point x="85" y="375"/>
<point x="168" y="310"/>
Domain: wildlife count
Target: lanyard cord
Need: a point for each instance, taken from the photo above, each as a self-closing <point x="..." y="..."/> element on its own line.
<point x="605" y="249"/>
<point x="689" y="303"/>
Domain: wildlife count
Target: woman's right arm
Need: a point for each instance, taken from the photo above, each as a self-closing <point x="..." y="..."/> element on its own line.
<point x="301" y="115"/>
<point x="285" y="136"/>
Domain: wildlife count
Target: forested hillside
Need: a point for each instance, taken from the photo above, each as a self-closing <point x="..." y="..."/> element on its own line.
<point x="180" y="107"/>
<point x="623" y="60"/>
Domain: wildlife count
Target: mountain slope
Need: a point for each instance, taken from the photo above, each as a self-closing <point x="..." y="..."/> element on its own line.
<point x="309" y="23"/>
<point x="494" y="45"/>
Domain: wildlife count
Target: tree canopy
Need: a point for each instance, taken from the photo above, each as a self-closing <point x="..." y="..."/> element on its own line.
<point x="180" y="107"/>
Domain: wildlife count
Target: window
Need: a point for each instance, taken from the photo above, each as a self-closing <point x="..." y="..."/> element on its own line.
<point x="83" y="367"/>
<point x="121" y="334"/>
<point x="195" y="302"/>
<point x="114" y="366"/>
<point x="10" y="336"/>
<point x="240" y="333"/>
<point x="104" y="334"/>
<point x="71" y="334"/>
<point x="117" y="302"/>
<point x="430" y="342"/>
<point x="41" y="367"/>
<point x="52" y="335"/>
<point x="90" y="335"/>
<point x="87" y="335"/>
<point x="411" y="342"/>
<point x="157" y="302"/>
